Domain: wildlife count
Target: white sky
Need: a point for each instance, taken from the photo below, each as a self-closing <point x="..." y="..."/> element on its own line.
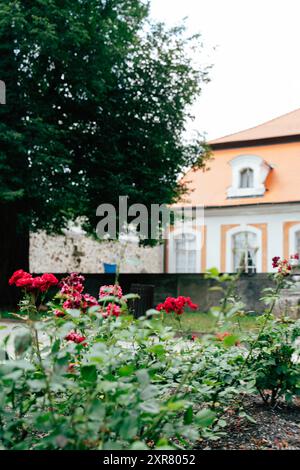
<point x="256" y="73"/>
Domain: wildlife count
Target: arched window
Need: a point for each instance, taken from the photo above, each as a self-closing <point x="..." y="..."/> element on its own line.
<point x="247" y="178"/>
<point x="297" y="242"/>
<point x="249" y="173"/>
<point x="245" y="252"/>
<point x="186" y="253"/>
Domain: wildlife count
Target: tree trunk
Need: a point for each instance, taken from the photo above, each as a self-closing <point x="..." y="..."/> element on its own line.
<point x="14" y="252"/>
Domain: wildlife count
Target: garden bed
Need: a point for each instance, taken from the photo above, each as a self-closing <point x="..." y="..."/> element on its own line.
<point x="85" y="374"/>
<point x="275" y="428"/>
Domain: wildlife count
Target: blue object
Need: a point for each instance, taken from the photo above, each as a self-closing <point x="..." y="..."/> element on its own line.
<point x="110" y="268"/>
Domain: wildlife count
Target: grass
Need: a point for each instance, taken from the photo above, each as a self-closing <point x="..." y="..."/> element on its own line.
<point x="194" y="322"/>
<point x="4" y="315"/>
<point x="199" y="322"/>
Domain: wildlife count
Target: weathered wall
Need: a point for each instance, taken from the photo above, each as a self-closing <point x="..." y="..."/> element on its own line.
<point x="193" y="285"/>
<point x="76" y="252"/>
<point x="64" y="254"/>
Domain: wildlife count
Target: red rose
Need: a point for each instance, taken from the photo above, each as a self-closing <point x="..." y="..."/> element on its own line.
<point x="88" y="302"/>
<point x="25" y="281"/>
<point x="275" y="261"/>
<point x="44" y="282"/>
<point x="283" y="266"/>
<point x="71" y="367"/>
<point x="17" y="275"/>
<point x="73" y="302"/>
<point x="112" y="310"/>
<point x="59" y="313"/>
<point x="75" y="337"/>
<point x="72" y="284"/>
<point x="176" y="305"/>
<point x="115" y="290"/>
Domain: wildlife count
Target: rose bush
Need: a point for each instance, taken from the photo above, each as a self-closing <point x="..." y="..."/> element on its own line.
<point x="276" y="361"/>
<point x="86" y="375"/>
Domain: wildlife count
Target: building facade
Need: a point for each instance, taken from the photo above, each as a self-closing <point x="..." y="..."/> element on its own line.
<point x="251" y="199"/>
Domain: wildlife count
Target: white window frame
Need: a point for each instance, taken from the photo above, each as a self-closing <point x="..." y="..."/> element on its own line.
<point x="292" y="238"/>
<point x="229" y="246"/>
<point x="260" y="172"/>
<point x="172" y="248"/>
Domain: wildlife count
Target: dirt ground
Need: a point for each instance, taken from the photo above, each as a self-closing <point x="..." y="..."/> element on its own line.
<point x="276" y="429"/>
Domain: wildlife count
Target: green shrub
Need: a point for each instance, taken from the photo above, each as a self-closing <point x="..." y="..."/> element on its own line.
<point x="275" y="360"/>
<point x="82" y="373"/>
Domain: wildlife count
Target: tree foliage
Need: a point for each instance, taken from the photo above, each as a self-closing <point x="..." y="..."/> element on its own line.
<point x="97" y="102"/>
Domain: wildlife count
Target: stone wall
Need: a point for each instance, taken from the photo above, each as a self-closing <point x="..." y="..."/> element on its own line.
<point x="76" y="252"/>
<point x="194" y="285"/>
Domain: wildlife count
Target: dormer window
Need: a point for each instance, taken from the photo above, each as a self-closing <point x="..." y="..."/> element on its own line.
<point x="246" y="178"/>
<point x="249" y="173"/>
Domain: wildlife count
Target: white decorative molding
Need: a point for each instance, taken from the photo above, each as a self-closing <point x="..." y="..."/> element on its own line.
<point x="260" y="170"/>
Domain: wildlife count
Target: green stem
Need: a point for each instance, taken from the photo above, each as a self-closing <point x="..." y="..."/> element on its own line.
<point x="262" y="329"/>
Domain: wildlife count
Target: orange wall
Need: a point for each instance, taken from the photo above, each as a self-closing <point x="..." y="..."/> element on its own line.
<point x="209" y="188"/>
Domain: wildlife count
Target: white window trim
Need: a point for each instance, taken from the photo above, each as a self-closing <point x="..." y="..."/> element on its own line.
<point x="229" y="246"/>
<point x="292" y="238"/>
<point x="260" y="172"/>
<point x="172" y="248"/>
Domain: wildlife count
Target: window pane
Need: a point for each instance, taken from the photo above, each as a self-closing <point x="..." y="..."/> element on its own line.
<point x="186" y="254"/>
<point x="246" y="178"/>
<point x="297" y="235"/>
<point x="244" y="252"/>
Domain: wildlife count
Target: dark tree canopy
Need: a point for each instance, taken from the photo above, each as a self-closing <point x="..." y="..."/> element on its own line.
<point x="97" y="103"/>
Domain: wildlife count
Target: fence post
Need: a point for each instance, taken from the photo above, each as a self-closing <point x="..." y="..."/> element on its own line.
<point x="145" y="302"/>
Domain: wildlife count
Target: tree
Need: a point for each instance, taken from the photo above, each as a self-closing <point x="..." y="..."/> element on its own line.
<point x="97" y="103"/>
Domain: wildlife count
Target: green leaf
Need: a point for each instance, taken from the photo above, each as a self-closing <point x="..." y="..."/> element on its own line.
<point x="109" y="298"/>
<point x="152" y="311"/>
<point x="216" y="289"/>
<point x="176" y="405"/>
<point x="158" y="350"/>
<point x="129" y="427"/>
<point x="75" y="313"/>
<point x="89" y="373"/>
<point x="138" y="445"/>
<point x="97" y="410"/>
<point x="152" y="408"/>
<point x="143" y="377"/>
<point x="22" y="342"/>
<point x="205" y="417"/>
<point x="131" y="296"/>
<point x="243" y="414"/>
<point x="230" y="340"/>
<point x="127" y="370"/>
<point x="36" y="385"/>
<point x="55" y="346"/>
<point x="222" y="423"/>
<point x="188" y="415"/>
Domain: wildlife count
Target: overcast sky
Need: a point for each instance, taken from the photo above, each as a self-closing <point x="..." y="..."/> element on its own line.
<point x="256" y="74"/>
